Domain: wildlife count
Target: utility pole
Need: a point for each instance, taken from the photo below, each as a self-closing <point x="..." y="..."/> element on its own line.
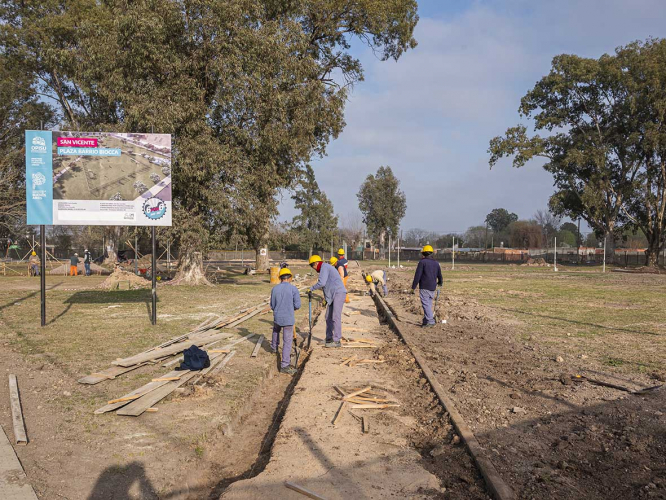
<point x="453" y="254"/>
<point x="578" y="241"/>
<point x="555" y="256"/>
<point x="399" y="238"/>
<point x="389" y="250"/>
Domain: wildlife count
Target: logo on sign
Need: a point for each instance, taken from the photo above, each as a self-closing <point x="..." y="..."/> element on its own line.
<point x="38" y="145"/>
<point x="154" y="208"/>
<point x="38" y="179"/>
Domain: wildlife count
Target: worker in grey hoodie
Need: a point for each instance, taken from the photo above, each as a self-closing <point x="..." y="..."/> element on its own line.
<point x="334" y="294"/>
<point x="285" y="299"/>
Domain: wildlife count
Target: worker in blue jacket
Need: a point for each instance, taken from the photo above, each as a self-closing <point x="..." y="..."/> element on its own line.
<point x="334" y="294"/>
<point x="342" y="261"/>
<point x="428" y="277"/>
<point x="285" y="299"/>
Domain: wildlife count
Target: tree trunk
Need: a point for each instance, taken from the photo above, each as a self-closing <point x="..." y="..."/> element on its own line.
<point x="113" y="237"/>
<point x="190" y="269"/>
<point x="262" y="263"/>
<point x="652" y="253"/>
<point x="610" y="247"/>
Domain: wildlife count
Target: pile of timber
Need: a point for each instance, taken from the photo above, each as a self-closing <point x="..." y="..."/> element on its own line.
<point x="365" y="398"/>
<point x="358" y="343"/>
<point x="204" y="335"/>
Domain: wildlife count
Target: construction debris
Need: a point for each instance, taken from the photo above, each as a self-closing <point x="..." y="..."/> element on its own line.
<point x="303" y="491"/>
<point x="366" y="398"/>
<point x="119" y="279"/>
<point x="17" y="411"/>
<point x="13" y="481"/>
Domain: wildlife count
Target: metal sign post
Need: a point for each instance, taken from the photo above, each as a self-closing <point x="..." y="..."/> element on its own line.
<point x="153" y="317"/>
<point x="42" y="271"/>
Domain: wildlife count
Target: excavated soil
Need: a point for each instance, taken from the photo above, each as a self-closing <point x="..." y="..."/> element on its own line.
<point x="121" y="279"/>
<point x="549" y="434"/>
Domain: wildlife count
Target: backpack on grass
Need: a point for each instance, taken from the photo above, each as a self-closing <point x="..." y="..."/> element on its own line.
<point x="194" y="359"/>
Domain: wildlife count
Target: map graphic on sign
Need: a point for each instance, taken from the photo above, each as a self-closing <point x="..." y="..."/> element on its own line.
<point x="99" y="178"/>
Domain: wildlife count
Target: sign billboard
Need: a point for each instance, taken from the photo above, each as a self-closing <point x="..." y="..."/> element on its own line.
<point x="98" y="178"/>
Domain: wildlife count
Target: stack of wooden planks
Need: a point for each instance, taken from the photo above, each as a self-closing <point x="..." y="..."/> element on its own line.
<point x="358" y="343"/>
<point x="205" y="335"/>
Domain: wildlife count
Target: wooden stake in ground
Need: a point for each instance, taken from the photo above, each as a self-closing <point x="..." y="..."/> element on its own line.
<point x="339" y="412"/>
<point x="356" y="393"/>
<point x="17" y="412"/>
<point x="366" y="424"/>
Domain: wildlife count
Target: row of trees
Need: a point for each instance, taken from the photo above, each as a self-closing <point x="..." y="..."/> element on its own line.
<point x="252" y="90"/>
<point x="603" y="124"/>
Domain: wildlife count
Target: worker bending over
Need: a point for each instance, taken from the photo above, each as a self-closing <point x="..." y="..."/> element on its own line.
<point x="34" y="264"/>
<point x="285" y="299"/>
<point x="427" y="277"/>
<point x="334" y="295"/>
<point x="374" y="279"/>
<point x="344" y="262"/>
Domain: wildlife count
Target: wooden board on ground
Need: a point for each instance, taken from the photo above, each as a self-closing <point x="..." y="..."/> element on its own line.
<point x="224" y="362"/>
<point x="303" y="491"/>
<point x="137" y="407"/>
<point x="144" y="389"/>
<point x="108" y="374"/>
<point x="13" y="481"/>
<point x="17" y="411"/>
<point x="167" y="351"/>
<point x="365" y="421"/>
<point x="255" y="352"/>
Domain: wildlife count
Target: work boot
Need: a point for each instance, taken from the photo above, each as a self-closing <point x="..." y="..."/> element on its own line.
<point x="333" y="344"/>
<point x="429" y="325"/>
<point x="289" y="370"/>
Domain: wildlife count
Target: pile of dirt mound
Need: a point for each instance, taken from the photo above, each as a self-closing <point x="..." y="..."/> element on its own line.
<point x="121" y="279"/>
<point x="536" y="263"/>
<point x="94" y="269"/>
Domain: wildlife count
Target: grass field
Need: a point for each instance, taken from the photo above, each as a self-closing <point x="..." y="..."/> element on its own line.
<point x="616" y="318"/>
<point x="99" y="178"/>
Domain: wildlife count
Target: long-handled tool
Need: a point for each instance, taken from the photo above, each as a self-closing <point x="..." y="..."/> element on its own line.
<point x="298" y="351"/>
<point x="435" y="308"/>
<point x="309" y="319"/>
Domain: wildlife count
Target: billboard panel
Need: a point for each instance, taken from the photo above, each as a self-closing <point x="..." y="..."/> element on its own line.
<point x="98" y="178"/>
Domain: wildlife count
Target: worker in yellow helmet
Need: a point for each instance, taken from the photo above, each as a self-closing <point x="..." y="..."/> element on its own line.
<point x="33" y="264"/>
<point x="334" y="294"/>
<point x="374" y="280"/>
<point x="285" y="299"/>
<point x="428" y="277"/>
<point x="342" y="261"/>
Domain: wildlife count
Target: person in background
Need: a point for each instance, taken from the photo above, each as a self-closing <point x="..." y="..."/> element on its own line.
<point x="285" y="299"/>
<point x="344" y="262"/>
<point x="33" y="263"/>
<point x="73" y="264"/>
<point x="375" y="279"/>
<point x="87" y="260"/>
<point x="428" y="277"/>
<point x="334" y="295"/>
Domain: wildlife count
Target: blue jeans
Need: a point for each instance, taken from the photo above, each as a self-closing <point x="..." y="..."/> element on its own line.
<point x="334" y="318"/>
<point x="87" y="266"/>
<point x="426" y="302"/>
<point x="288" y="337"/>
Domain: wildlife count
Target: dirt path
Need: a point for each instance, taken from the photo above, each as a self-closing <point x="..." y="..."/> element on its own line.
<point x="548" y="434"/>
<point x="407" y="452"/>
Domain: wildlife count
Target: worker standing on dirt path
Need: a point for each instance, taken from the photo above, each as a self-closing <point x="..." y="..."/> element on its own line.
<point x="428" y="277"/>
<point x="33" y="262"/>
<point x="87" y="259"/>
<point x="374" y="279"/>
<point x="285" y="299"/>
<point x="338" y="267"/>
<point x="334" y="295"/>
<point x="73" y="265"/>
<point x="344" y="262"/>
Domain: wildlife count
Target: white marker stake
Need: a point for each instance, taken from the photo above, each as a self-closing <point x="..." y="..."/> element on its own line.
<point x="604" y="269"/>
<point x="453" y="254"/>
<point x="555" y="258"/>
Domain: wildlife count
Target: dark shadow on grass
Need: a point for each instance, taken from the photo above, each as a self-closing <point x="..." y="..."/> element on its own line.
<point x="29" y="296"/>
<point x="575" y="322"/>
<point x="111" y="297"/>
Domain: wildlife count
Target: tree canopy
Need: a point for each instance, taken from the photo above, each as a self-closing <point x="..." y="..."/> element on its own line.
<point x="382" y="204"/>
<point x="499" y="219"/>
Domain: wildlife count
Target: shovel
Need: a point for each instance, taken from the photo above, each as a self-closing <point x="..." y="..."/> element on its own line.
<point x="309" y="319"/>
<point x="435" y="308"/>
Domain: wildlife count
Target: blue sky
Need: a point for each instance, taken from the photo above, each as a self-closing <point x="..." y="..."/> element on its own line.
<point x="431" y="114"/>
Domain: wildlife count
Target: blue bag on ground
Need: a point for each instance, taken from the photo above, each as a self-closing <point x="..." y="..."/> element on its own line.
<point x="194" y="359"/>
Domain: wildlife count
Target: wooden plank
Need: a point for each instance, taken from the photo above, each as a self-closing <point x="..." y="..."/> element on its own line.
<point x="362" y="346"/>
<point x="365" y="422"/>
<point x="166" y="351"/>
<point x="225" y="351"/>
<point x="144" y="389"/>
<point x="338" y="415"/>
<point x="255" y="352"/>
<point x="369" y="361"/>
<point x="165" y="379"/>
<point x="152" y="410"/>
<point x="342" y="393"/>
<point x="372" y="407"/>
<point x="108" y="374"/>
<point x="215" y="359"/>
<point x="224" y="362"/>
<point x="17" y="412"/>
<point x="303" y="491"/>
<point x="13" y="481"/>
<point x="360" y="391"/>
<point x="136" y="408"/>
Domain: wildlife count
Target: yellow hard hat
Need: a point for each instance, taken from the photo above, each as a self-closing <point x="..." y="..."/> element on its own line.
<point x="333" y="261"/>
<point x="313" y="259"/>
<point x="284" y="271"/>
<point x="368" y="278"/>
<point x="341" y="251"/>
<point x="427" y="248"/>
<point x="34" y="253"/>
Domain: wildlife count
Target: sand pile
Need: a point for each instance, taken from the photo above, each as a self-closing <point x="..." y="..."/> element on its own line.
<point x="536" y="263"/>
<point x="121" y="279"/>
<point x="94" y="269"/>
